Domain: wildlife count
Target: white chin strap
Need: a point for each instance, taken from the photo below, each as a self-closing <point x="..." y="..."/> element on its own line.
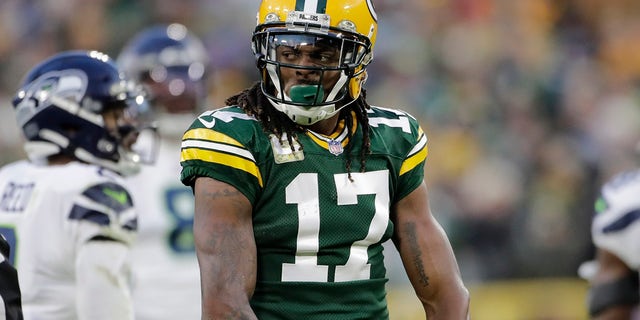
<point x="306" y="115"/>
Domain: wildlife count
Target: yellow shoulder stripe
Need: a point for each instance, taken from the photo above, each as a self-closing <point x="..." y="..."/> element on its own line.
<point x="210" y="135"/>
<point x="223" y="159"/>
<point x="208" y="145"/>
<point x="414" y="160"/>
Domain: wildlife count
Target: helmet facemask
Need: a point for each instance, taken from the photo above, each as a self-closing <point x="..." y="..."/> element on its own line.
<point x="333" y="51"/>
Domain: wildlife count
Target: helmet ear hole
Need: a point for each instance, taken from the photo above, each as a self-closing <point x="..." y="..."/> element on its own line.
<point x="350" y="71"/>
<point x="260" y="61"/>
<point x="367" y="58"/>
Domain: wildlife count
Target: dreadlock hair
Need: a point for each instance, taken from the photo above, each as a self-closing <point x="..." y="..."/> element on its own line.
<point x="256" y="104"/>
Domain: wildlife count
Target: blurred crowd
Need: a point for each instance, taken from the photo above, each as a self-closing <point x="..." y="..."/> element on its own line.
<point x="528" y="105"/>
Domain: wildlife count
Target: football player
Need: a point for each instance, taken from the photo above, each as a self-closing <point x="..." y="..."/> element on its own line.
<point x="65" y="210"/>
<point x="614" y="292"/>
<point x="171" y="63"/>
<point x="10" y="296"/>
<point x="299" y="181"/>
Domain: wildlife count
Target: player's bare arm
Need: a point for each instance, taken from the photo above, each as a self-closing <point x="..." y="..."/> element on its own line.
<point x="226" y="251"/>
<point x="428" y="258"/>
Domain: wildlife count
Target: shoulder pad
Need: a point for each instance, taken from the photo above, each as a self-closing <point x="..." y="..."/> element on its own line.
<point x="102" y="203"/>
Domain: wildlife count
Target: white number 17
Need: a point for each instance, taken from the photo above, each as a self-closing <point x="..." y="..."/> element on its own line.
<point x="303" y="191"/>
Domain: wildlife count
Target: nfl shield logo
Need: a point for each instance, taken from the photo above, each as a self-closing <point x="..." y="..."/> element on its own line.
<point x="335" y="147"/>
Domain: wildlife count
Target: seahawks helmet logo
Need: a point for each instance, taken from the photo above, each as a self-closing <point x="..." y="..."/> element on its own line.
<point x="70" y="84"/>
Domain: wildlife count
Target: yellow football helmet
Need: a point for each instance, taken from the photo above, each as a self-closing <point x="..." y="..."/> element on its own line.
<point x="348" y="26"/>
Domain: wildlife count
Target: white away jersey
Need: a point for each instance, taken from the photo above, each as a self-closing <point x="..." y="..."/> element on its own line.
<point x="166" y="274"/>
<point x="49" y="214"/>
<point x="616" y="225"/>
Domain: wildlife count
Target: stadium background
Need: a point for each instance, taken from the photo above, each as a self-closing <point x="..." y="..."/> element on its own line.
<point x="529" y="105"/>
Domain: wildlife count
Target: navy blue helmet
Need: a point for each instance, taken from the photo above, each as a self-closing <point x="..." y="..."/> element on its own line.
<point x="172" y="64"/>
<point x="60" y="108"/>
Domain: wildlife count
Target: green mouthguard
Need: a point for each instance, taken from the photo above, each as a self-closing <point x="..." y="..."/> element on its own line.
<point x="307" y="94"/>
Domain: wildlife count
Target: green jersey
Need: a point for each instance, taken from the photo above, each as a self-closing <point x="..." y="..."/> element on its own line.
<point x="318" y="232"/>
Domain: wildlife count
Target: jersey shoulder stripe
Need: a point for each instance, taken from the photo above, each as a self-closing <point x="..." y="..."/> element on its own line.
<point x="209" y="145"/>
<point x="417" y="155"/>
<point x="226" y="139"/>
